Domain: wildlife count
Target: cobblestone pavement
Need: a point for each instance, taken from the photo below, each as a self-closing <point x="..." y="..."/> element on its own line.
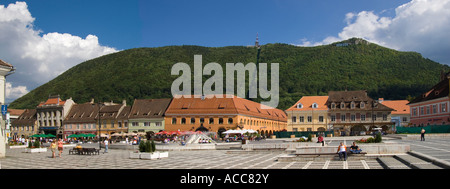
<point x="215" y="159"/>
<point x="212" y="159"/>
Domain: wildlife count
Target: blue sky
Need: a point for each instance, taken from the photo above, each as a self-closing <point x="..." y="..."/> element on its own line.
<point x="132" y="23"/>
<point x="44" y="38"/>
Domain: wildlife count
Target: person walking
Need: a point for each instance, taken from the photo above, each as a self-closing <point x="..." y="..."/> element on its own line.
<point x="60" y="147"/>
<point x="342" y="151"/>
<point x="422" y="135"/>
<point x="53" y="147"/>
<point x="106" y="142"/>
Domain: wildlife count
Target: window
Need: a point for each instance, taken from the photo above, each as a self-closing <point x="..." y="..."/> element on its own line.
<point x="230" y="120"/>
<point x="220" y="120"/>
<point x="158" y="124"/>
<point x="193" y="120"/>
<point x="362" y="105"/>
<point x="384" y="117"/>
<point x="363" y="117"/>
<point x="294" y="119"/>
<point x="211" y="120"/>
<point x="309" y="119"/>
<point x="333" y="118"/>
<point x="342" y="117"/>
<point x="342" y="105"/>
<point x="421" y="111"/>
<point x="333" y="105"/>
<point x="134" y="124"/>
<point x="202" y="120"/>
<point x="174" y="120"/>
<point x="321" y="119"/>
<point x="301" y="119"/>
<point x="352" y="105"/>
<point x="315" y="105"/>
<point x="434" y="109"/>
<point x="183" y="120"/>
<point x="352" y="118"/>
<point x="414" y="111"/>
<point x="374" y="117"/>
<point x="299" y="105"/>
<point x="120" y="124"/>
<point x="405" y="119"/>
<point x="428" y="109"/>
<point x="112" y="123"/>
<point x="443" y="107"/>
<point x="147" y="124"/>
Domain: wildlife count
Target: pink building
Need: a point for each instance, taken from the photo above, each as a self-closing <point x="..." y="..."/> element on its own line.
<point x="431" y="108"/>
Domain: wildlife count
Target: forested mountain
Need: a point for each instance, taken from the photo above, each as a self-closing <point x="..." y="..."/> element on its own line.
<point x="352" y="64"/>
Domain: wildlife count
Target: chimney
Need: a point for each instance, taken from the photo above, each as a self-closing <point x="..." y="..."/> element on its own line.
<point x="124" y="102"/>
<point x="92" y="100"/>
<point x="380" y="100"/>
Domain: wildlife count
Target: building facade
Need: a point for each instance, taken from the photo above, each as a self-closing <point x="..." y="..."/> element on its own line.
<point x="310" y="113"/>
<point x="109" y="113"/>
<point x="355" y="113"/>
<point x="25" y="125"/>
<point x="188" y="114"/>
<point x="431" y="108"/>
<point x="5" y="70"/>
<point x="147" y="115"/>
<point x="401" y="114"/>
<point x="82" y="119"/>
<point x="51" y="113"/>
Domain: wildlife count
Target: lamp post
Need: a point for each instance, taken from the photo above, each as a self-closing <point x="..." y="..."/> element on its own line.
<point x="99" y="105"/>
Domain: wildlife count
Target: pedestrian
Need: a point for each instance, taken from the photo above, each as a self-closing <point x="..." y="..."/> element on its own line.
<point x="354" y="149"/>
<point x="106" y="145"/>
<point x="422" y="135"/>
<point x="60" y="147"/>
<point x="320" y="140"/>
<point x="53" y="148"/>
<point x="342" y="151"/>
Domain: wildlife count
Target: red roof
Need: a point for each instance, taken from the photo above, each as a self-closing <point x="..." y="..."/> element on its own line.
<point x="211" y="105"/>
<point x="308" y="101"/>
<point x="399" y="106"/>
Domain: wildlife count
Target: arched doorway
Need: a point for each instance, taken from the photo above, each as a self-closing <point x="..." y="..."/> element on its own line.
<point x="357" y="130"/>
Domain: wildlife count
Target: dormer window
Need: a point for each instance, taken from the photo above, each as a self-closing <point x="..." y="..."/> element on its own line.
<point x="362" y="105"/>
<point x="342" y="105"/>
<point x="352" y="105"/>
<point x="315" y="105"/>
<point x="299" y="105"/>
<point x="333" y="105"/>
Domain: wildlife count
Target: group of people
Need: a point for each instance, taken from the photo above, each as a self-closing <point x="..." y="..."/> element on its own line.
<point x="342" y="150"/>
<point x="56" y="145"/>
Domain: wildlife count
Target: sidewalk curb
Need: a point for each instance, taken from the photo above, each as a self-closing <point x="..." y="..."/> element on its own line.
<point x="436" y="161"/>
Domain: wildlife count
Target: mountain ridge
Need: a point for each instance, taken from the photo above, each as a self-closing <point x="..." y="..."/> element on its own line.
<point x="145" y="72"/>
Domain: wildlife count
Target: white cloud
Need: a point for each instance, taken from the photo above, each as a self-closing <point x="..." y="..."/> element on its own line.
<point x="15" y="92"/>
<point x="39" y="57"/>
<point x="420" y="25"/>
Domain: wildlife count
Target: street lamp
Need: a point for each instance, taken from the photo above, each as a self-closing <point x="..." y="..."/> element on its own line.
<point x="99" y="105"/>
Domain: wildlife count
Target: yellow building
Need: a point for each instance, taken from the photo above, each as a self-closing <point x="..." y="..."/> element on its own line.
<point x="188" y="114"/>
<point x="310" y="113"/>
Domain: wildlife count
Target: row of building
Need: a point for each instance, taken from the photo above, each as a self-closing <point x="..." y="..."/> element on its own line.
<point x="344" y="112"/>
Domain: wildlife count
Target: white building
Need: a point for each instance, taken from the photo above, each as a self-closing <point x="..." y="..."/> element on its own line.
<point x="5" y="70"/>
<point x="51" y="113"/>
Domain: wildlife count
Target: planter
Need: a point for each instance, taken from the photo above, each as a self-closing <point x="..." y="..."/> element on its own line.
<point x="154" y="155"/>
<point x="145" y="155"/>
<point x="35" y="150"/>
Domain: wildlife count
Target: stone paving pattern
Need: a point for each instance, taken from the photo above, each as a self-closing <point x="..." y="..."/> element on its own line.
<point x="219" y="159"/>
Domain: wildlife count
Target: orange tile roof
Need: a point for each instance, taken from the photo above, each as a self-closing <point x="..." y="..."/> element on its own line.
<point x="52" y="101"/>
<point x="211" y="105"/>
<point x="399" y="106"/>
<point x="307" y="102"/>
<point x="16" y="112"/>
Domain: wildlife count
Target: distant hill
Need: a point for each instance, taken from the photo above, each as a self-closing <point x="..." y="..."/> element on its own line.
<point x="352" y="64"/>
